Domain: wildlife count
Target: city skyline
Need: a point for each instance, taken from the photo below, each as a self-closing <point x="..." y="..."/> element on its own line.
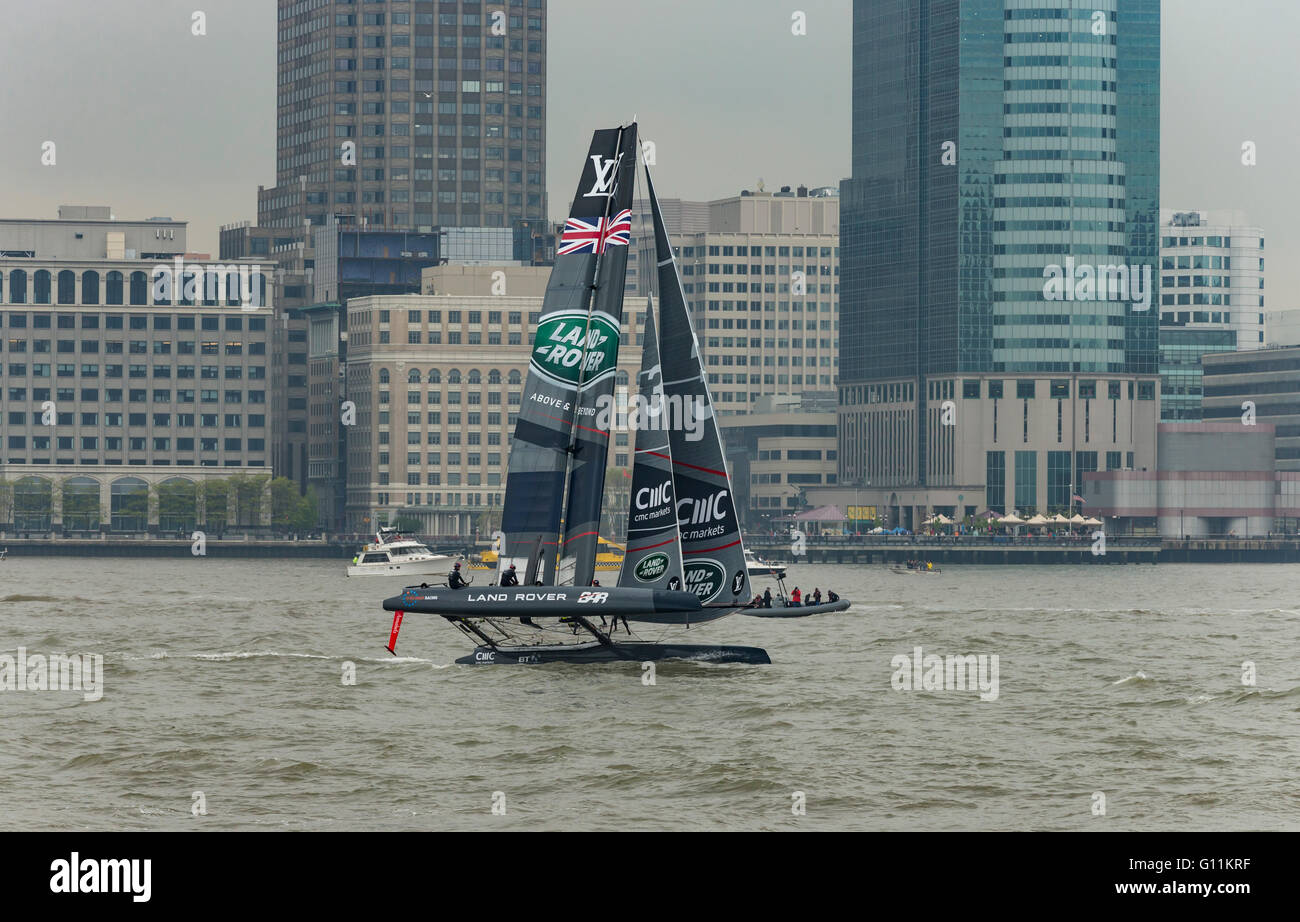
<point x="188" y="129"/>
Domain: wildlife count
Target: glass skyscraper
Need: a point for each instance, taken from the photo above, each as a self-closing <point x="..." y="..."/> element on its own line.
<point x="997" y="144"/>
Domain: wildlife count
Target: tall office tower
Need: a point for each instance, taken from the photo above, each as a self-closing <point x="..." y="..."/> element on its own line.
<point x="1211" y="299"/>
<point x="1000" y="237"/>
<point x="410" y="114"/>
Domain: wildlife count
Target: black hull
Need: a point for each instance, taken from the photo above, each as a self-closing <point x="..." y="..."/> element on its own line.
<point x="630" y="651"/>
<point x="801" y="611"/>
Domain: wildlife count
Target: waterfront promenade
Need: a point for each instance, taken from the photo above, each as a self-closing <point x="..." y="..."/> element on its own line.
<point x="824" y="549"/>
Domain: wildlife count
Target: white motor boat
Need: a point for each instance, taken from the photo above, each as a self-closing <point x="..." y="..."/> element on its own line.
<point x="757" y="566"/>
<point x="393" y="555"/>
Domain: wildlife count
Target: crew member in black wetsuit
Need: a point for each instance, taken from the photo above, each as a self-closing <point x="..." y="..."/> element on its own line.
<point x="454" y="579"/>
<point x="510" y="578"/>
<point x="767" y="597"/>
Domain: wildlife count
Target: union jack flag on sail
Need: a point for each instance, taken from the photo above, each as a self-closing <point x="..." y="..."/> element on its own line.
<point x="592" y="235"/>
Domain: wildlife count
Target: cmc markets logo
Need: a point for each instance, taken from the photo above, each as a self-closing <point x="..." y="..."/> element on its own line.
<point x="650" y="497"/>
<point x="709" y="509"/>
<point x="570" y="345"/>
<point x="651" y="568"/>
<point x="705" y="578"/>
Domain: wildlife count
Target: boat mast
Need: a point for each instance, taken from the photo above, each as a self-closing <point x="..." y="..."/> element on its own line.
<point x="553" y="560"/>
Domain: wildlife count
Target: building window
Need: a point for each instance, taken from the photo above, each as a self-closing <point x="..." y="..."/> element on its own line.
<point x="1058" y="480"/>
<point x="995" y="480"/>
<point x="42" y="286"/>
<point x="1026" y="481"/>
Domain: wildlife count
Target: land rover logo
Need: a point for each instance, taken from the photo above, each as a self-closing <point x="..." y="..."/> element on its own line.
<point x="705" y="578"/>
<point x="558" y="347"/>
<point x="651" y="568"/>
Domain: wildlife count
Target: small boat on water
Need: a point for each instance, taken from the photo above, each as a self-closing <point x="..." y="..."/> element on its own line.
<point x="757" y="566"/>
<point x="917" y="571"/>
<point x="390" y="554"/>
<point x="799" y="611"/>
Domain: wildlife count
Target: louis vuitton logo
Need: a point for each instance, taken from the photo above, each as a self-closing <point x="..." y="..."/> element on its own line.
<point x="606" y="170"/>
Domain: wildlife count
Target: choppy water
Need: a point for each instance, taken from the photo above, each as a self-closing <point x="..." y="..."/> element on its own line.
<point x="225" y="678"/>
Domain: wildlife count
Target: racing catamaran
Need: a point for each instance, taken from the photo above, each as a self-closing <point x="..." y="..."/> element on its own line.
<point x="685" y="559"/>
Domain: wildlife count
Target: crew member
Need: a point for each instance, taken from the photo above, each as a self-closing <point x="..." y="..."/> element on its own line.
<point x="510" y="578"/>
<point x="796" y="597"/>
<point x="767" y="597"/>
<point x="454" y="579"/>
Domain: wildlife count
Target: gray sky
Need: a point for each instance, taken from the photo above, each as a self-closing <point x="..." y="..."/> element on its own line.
<point x="154" y="121"/>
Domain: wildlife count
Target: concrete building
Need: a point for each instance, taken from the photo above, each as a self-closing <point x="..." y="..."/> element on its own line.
<point x="1005" y="159"/>
<point x="354" y="261"/>
<point x="783" y="446"/>
<point x="120" y="352"/>
<point x="1018" y="443"/>
<point x="760" y="271"/>
<point x="436" y="381"/>
<point x="373" y="122"/>
<point x="1212" y="274"/>
<point x="1282" y="327"/>
<point x="1256" y="388"/>
<point x="292" y="266"/>
<point x="1211" y="299"/>
<point x="1215" y="479"/>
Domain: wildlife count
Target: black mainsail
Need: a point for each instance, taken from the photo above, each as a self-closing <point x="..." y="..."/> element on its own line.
<point x="654" y="549"/>
<point x="540" y="450"/>
<point x="712" y="549"/>
<point x="589" y="445"/>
